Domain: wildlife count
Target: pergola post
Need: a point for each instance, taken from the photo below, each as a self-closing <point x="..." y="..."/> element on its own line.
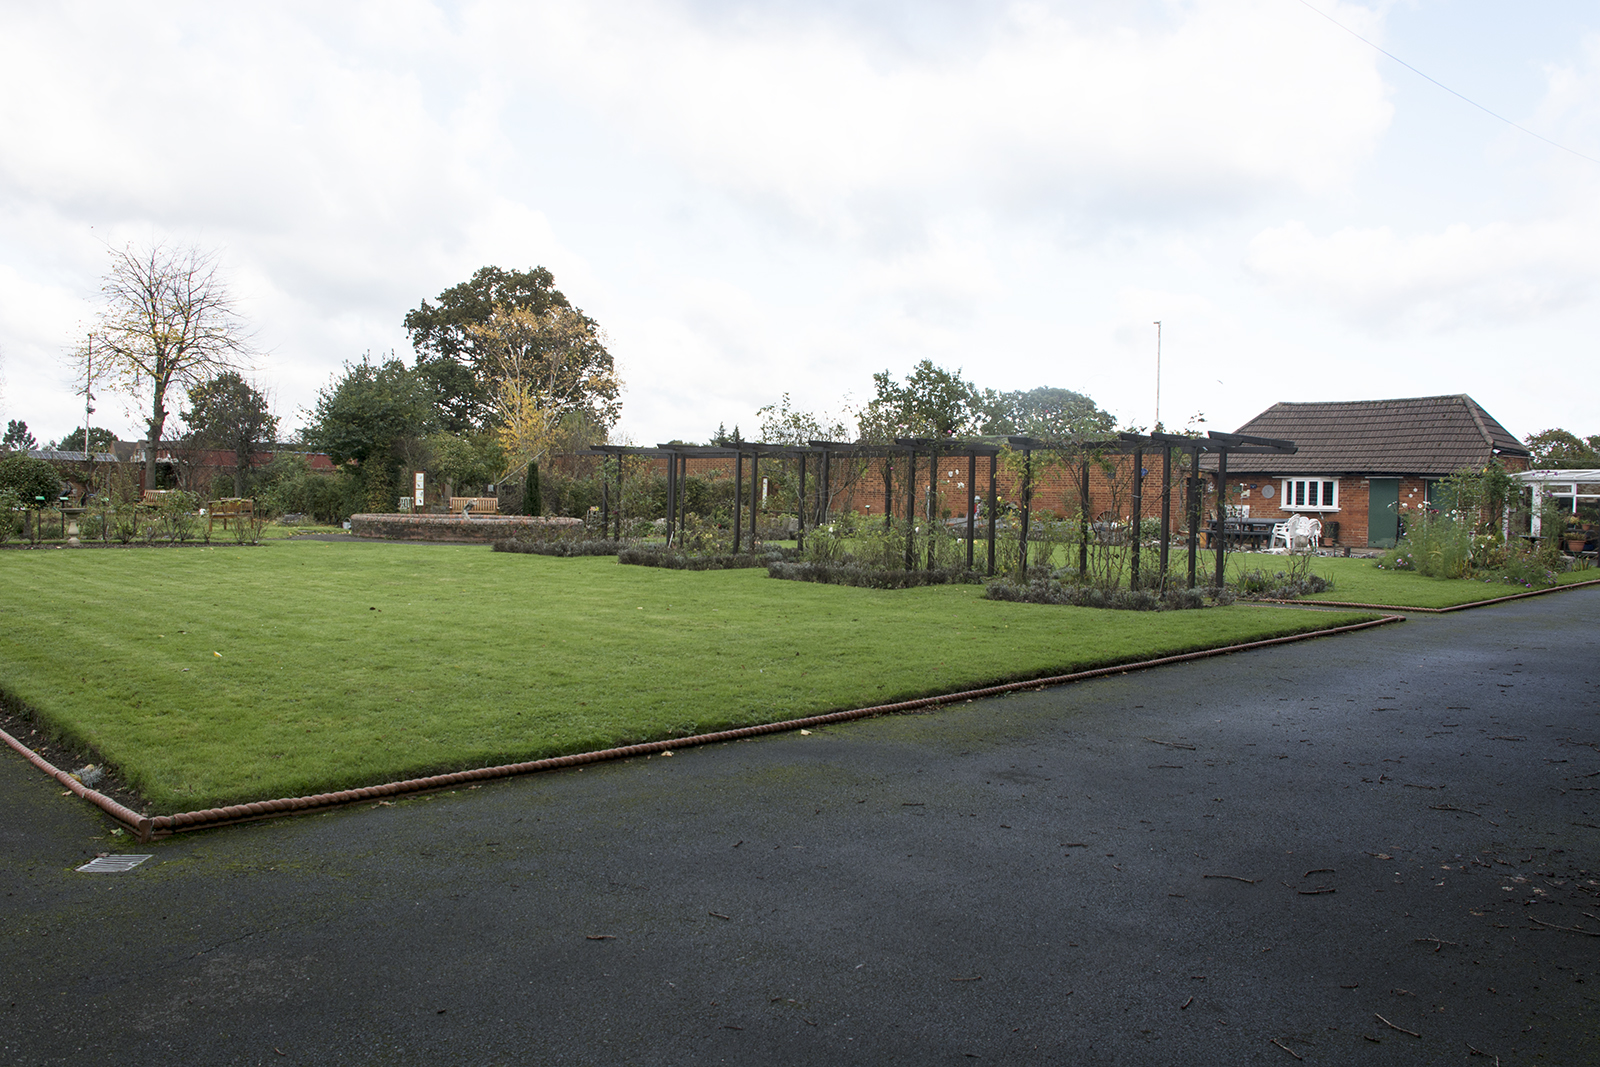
<point x="683" y="495"/>
<point x="1083" y="520"/>
<point x="800" y="534"/>
<point x="1166" y="508"/>
<point x="1192" y="504"/>
<point x="825" y="488"/>
<point x="755" y="487"/>
<point x="972" y="480"/>
<point x="738" y="499"/>
<point x="621" y="466"/>
<point x="672" y="494"/>
<point x="888" y="493"/>
<point x="1222" y="521"/>
<point x="1138" y="512"/>
<point x="1027" y="500"/>
<point x="994" y="463"/>
<point x="911" y="508"/>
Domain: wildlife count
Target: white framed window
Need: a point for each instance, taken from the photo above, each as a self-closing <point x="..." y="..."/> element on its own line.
<point x="1310" y="494"/>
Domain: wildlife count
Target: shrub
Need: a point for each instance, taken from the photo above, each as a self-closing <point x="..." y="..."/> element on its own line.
<point x="1049" y="591"/>
<point x="701" y="536"/>
<point x="1258" y="584"/>
<point x="868" y="577"/>
<point x="1436" y="546"/>
<point x="660" y="556"/>
<point x="294" y="488"/>
<point x="10" y="517"/>
<point x="125" y="522"/>
<point x="561" y="548"/>
<point x="91" y="525"/>
<point x="30" y="479"/>
<point x="176" y="517"/>
<point x="1528" y="571"/>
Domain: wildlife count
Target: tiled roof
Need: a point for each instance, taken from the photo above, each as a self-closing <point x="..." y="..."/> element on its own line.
<point x="1429" y="435"/>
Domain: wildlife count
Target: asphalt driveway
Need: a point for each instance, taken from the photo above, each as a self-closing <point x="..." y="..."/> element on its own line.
<point x="1379" y="848"/>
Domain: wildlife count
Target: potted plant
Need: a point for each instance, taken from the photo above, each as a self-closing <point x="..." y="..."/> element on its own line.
<point x="1575" y="535"/>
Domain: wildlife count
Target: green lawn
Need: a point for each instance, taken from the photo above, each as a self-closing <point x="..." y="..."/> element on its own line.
<point x="218" y="675"/>
<point x="1358" y="581"/>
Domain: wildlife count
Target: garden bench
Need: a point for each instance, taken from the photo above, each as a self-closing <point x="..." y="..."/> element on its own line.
<point x="482" y="505"/>
<point x="155" y="497"/>
<point x="241" y="508"/>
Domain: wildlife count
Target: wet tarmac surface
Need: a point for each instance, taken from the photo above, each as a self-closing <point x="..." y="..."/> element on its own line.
<point x="1378" y="848"/>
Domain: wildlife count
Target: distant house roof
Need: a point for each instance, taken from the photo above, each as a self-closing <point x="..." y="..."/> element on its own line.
<point x="55" y="456"/>
<point x="1427" y="435"/>
<point x="170" y="451"/>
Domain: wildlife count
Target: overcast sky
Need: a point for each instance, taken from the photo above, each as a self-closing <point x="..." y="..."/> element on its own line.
<point x="754" y="199"/>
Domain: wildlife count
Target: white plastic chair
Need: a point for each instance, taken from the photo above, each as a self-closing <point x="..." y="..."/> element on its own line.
<point x="1299" y="533"/>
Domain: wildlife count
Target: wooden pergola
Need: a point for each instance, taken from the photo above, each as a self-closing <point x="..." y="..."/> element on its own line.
<point x="1086" y="450"/>
<point x="1083" y="452"/>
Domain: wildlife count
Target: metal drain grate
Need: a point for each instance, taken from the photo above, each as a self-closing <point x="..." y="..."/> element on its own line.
<point x="112" y="864"/>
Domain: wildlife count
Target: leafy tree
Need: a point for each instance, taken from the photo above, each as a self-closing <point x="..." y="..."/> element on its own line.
<point x="465" y="461"/>
<point x="17" y="436"/>
<point x="229" y="413"/>
<point x="167" y="320"/>
<point x="545" y="385"/>
<point x="30" y="479"/>
<point x="782" y="423"/>
<point x="1558" y="449"/>
<point x="931" y="402"/>
<point x="448" y="342"/>
<point x="100" y="440"/>
<point x="374" y="417"/>
<point x="1045" y="413"/>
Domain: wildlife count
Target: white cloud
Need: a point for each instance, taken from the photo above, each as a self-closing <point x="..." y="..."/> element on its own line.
<point x="755" y="198"/>
<point x="1459" y="277"/>
<point x="1232" y="99"/>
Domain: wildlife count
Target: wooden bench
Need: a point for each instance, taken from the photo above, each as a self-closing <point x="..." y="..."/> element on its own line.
<point x="156" y="497"/>
<point x="238" y="508"/>
<point x="481" y="505"/>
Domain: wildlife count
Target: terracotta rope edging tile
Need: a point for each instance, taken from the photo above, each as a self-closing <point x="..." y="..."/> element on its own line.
<point x="1436" y="611"/>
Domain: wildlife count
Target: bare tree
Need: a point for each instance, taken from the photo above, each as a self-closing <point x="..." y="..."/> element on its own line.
<point x="167" y="320"/>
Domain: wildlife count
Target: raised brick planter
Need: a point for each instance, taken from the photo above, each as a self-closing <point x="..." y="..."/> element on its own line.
<point x="483" y="528"/>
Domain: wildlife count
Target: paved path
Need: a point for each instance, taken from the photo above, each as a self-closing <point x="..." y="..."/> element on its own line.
<point x="1021" y="880"/>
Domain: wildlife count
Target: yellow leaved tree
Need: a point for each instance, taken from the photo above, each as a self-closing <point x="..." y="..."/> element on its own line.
<point x="548" y="391"/>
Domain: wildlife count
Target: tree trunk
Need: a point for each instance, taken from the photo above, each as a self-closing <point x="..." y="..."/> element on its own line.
<point x="155" y="423"/>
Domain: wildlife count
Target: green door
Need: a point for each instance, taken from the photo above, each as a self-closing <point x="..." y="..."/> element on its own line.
<point x="1383" y="512"/>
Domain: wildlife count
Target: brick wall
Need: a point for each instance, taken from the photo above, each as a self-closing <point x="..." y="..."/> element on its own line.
<point x="1055" y="488"/>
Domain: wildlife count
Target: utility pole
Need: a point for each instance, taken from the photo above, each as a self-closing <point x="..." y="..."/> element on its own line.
<point x="88" y="389"/>
<point x="1158" y="376"/>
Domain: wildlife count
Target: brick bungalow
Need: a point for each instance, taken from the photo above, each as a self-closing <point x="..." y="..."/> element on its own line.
<point x="1362" y="463"/>
<point x="188" y="466"/>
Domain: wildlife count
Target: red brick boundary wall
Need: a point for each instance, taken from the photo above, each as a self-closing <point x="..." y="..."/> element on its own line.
<point x="484" y="528"/>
